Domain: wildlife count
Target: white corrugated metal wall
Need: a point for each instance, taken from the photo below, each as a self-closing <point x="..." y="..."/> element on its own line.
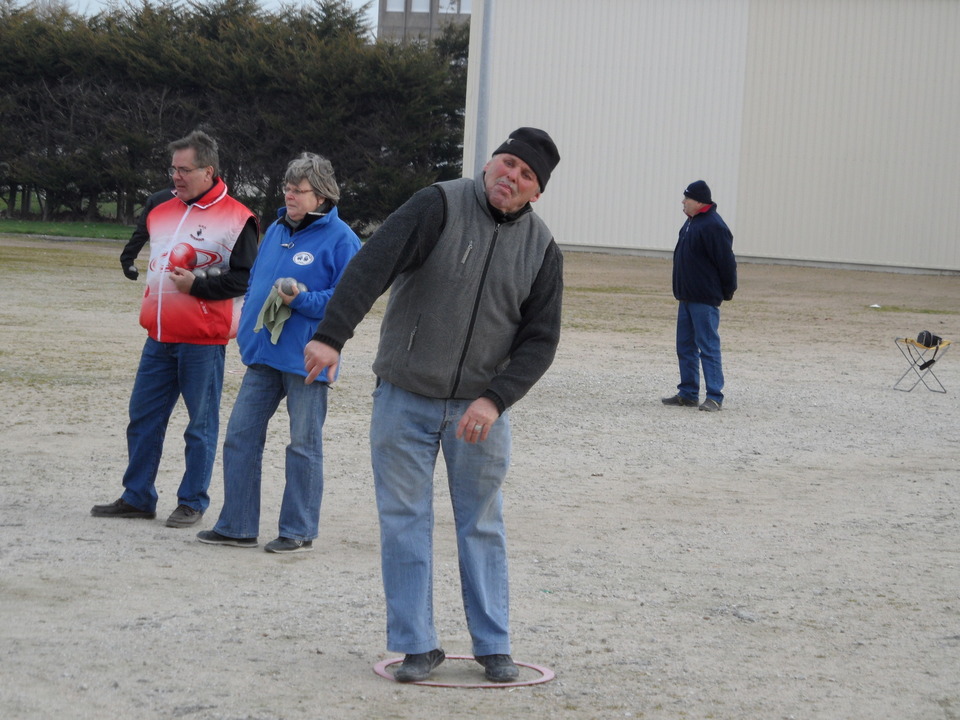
<point x="826" y="129"/>
<point x="852" y="132"/>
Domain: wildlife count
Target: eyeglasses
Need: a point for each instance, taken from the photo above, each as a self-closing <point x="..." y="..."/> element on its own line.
<point x="181" y="171"/>
<point x="296" y="191"/>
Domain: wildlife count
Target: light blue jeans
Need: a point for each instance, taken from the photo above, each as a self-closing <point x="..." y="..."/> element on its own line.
<point x="406" y="433"/>
<point x="698" y="344"/>
<point x="167" y="371"/>
<point x="261" y="391"/>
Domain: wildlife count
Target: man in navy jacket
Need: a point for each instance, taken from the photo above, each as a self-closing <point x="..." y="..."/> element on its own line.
<point x="704" y="275"/>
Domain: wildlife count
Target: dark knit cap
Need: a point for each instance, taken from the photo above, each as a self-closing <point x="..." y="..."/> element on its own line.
<point x="535" y="148"/>
<point x="699" y="191"/>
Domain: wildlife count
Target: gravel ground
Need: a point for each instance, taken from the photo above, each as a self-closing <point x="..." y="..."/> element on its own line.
<point x="794" y="556"/>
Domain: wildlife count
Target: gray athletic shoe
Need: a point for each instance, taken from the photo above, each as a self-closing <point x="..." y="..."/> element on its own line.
<point x="499" y="668"/>
<point x="418" y="666"/>
<point x="288" y="545"/>
<point x="183" y="516"/>
<point x="711" y="406"/>
<point x="212" y="537"/>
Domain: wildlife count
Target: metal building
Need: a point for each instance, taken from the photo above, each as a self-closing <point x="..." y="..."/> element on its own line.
<point x="418" y="20"/>
<point x="827" y="129"/>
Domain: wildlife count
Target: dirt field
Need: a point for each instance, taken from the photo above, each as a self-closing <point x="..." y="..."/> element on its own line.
<point x="794" y="556"/>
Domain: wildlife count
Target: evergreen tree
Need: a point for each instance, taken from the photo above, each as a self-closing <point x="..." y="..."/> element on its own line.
<point x="88" y="105"/>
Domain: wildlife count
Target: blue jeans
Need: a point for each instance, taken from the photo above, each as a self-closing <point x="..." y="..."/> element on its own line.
<point x="167" y="371"/>
<point x="261" y="391"/>
<point x="698" y="344"/>
<point x="406" y="432"/>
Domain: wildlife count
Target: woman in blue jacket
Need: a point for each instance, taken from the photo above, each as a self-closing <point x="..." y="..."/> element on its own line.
<point x="301" y="258"/>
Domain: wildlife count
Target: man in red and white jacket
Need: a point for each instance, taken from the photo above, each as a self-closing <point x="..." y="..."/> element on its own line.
<point x="202" y="245"/>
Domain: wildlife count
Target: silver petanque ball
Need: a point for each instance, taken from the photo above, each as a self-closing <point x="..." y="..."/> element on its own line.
<point x="285" y="285"/>
<point x="200" y="273"/>
<point x="214" y="272"/>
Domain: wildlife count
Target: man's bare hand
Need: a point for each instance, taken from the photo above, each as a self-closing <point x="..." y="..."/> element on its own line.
<point x="183" y="279"/>
<point x="475" y="424"/>
<point x="317" y="357"/>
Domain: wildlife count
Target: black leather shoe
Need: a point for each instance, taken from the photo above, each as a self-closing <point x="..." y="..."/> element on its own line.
<point x="679" y="400"/>
<point x="418" y="666"/>
<point x="499" y="668"/>
<point x="121" y="509"/>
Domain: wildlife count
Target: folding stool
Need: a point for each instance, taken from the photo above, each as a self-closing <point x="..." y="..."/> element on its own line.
<point x="920" y="365"/>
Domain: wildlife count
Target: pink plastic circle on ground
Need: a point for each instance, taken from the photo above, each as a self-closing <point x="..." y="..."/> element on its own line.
<point x="546" y="675"/>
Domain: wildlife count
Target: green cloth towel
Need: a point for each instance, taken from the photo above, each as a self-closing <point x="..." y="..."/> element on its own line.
<point x="273" y="315"/>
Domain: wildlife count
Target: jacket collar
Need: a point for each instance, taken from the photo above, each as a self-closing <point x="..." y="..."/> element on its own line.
<point x="308" y="220"/>
<point x="214" y="195"/>
<point x="498" y="215"/>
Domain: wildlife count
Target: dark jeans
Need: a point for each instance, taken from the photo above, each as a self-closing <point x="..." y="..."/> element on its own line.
<point x="168" y="371"/>
<point x="698" y="344"/>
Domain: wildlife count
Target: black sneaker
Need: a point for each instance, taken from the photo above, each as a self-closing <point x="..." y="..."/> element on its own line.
<point x="711" y="406"/>
<point x="288" y="545"/>
<point x="418" y="666"/>
<point x="121" y="509"/>
<point x="183" y="516"/>
<point x="679" y="400"/>
<point x="499" y="668"/>
<point x="211" y="537"/>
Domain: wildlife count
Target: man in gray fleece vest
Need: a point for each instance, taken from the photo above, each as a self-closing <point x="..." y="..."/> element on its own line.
<point x="473" y="321"/>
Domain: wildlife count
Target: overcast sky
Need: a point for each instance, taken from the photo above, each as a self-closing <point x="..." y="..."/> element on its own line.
<point x="92" y="6"/>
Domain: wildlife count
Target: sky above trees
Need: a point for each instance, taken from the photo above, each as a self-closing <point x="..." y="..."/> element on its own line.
<point x="88" y="7"/>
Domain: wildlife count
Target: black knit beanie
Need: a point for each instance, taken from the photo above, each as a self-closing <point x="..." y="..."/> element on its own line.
<point x="535" y="148"/>
<point x="699" y="191"/>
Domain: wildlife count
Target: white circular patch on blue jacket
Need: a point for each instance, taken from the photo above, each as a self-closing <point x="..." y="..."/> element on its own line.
<point x="303" y="258"/>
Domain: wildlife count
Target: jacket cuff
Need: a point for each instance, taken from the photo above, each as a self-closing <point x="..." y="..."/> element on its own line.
<point x="490" y="395"/>
<point x="327" y="340"/>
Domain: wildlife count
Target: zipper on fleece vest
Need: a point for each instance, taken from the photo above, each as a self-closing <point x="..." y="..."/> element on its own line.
<point x="166" y="264"/>
<point x="476" y="305"/>
<point x="413" y="333"/>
